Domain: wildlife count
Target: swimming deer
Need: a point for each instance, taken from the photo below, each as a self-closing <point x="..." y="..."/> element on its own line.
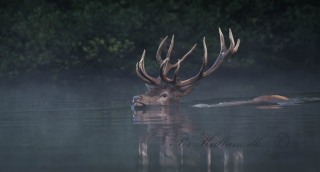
<point x="167" y="91"/>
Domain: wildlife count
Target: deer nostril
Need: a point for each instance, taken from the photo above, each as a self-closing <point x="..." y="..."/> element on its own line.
<point x="136" y="98"/>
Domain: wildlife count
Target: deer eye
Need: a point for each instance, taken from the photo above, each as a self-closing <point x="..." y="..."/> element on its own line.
<point x="164" y="95"/>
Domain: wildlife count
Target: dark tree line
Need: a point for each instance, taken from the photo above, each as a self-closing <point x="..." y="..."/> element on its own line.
<point x="54" y="35"/>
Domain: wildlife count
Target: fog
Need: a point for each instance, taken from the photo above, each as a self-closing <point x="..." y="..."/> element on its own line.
<point x="85" y="124"/>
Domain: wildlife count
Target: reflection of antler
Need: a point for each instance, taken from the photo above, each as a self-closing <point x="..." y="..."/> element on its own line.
<point x="143" y="153"/>
<point x="237" y="154"/>
<point x="237" y="159"/>
<point x="168" y="125"/>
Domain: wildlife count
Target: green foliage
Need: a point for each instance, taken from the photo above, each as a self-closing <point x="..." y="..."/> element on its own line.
<point x="55" y="35"/>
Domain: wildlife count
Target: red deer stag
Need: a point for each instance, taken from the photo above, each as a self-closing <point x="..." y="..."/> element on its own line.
<point x="166" y="91"/>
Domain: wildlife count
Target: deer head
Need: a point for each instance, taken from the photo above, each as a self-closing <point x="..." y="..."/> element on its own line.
<point x="166" y="91"/>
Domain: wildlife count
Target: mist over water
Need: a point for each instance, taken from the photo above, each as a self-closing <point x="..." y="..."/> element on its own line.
<point x="87" y="125"/>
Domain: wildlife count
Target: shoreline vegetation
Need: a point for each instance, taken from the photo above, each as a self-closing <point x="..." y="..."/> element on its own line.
<point x="109" y="36"/>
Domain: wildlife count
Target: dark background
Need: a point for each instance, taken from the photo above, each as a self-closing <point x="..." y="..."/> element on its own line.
<point x="85" y="36"/>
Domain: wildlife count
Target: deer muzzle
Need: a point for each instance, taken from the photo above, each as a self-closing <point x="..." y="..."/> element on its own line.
<point x="136" y="100"/>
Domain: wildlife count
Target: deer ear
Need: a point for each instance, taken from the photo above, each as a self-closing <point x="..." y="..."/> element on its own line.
<point x="150" y="87"/>
<point x="186" y="90"/>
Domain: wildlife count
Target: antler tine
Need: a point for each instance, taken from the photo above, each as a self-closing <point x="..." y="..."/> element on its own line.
<point x="235" y="49"/>
<point x="168" y="65"/>
<point x="143" y="74"/>
<point x="140" y="76"/>
<point x="231" y="41"/>
<point x="158" y="56"/>
<point x="223" y="52"/>
<point x="205" y="56"/>
<point x="163" y="67"/>
<point x="175" y="75"/>
<point x="170" y="47"/>
<point x="185" y="56"/>
<point x="200" y="74"/>
<point x="222" y="43"/>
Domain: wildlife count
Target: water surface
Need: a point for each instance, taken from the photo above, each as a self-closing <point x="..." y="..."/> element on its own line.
<point x="87" y="125"/>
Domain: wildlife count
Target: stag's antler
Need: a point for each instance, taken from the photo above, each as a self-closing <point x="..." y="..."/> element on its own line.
<point x="166" y="66"/>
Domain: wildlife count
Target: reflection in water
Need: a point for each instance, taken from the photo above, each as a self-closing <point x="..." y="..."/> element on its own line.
<point x="172" y="131"/>
<point x="168" y="125"/>
<point x="87" y="126"/>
